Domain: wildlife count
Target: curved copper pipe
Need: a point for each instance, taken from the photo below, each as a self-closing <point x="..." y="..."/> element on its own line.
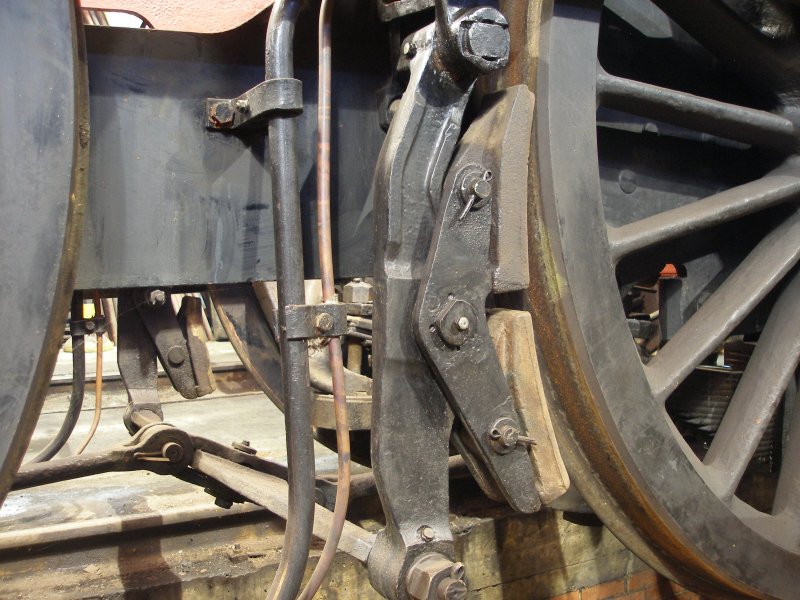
<point x="98" y="381"/>
<point x="329" y="295"/>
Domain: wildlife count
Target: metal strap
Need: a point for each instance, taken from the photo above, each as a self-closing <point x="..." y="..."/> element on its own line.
<point x="282" y="95"/>
<point x="308" y="321"/>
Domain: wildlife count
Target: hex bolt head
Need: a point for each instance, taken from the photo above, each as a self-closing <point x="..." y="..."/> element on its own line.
<point x="427" y="533"/>
<point x="222" y="114"/>
<point x="454" y="322"/>
<point x="489" y="41"/>
<point x="156" y="297"/>
<point x="426" y="579"/>
<point x="483" y="38"/>
<point x="357" y="291"/>
<point x="324" y="322"/>
<point x="172" y="451"/>
<point x="176" y="356"/>
<point x="90" y="325"/>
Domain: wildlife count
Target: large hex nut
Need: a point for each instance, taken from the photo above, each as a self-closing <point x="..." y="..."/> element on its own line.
<point x="483" y="38"/>
<point x="434" y="577"/>
<point x="357" y="291"/>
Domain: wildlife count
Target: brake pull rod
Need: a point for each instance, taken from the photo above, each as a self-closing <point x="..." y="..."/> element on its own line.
<point x="282" y="136"/>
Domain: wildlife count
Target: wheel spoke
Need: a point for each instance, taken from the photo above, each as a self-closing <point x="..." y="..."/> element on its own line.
<point x="752" y="280"/>
<point x="757" y="396"/>
<point x="757" y="58"/>
<point x="787" y="495"/>
<point x="748" y="125"/>
<point x="714" y="210"/>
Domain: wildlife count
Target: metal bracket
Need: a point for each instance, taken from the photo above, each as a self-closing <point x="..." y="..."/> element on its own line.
<point x="88" y="326"/>
<point x="252" y="108"/>
<point x="136" y="358"/>
<point x="451" y="327"/>
<point x="411" y="421"/>
<point x="309" y="321"/>
<point x="171" y="342"/>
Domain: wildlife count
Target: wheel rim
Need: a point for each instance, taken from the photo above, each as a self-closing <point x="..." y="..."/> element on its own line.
<point x="44" y="149"/>
<point x="684" y="516"/>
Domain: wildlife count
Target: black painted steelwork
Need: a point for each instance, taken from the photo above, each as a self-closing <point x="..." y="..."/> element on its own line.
<point x="691" y="173"/>
<point x="169" y="338"/>
<point x="451" y="328"/>
<point x="597" y="229"/>
<point x="43" y="152"/>
<point x="172" y="203"/>
<point x="411" y="420"/>
<point x="279" y="58"/>
<point x="402" y="8"/>
<point x="137" y="361"/>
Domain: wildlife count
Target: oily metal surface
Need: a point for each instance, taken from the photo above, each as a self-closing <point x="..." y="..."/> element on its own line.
<point x="623" y="441"/>
<point x="43" y="150"/>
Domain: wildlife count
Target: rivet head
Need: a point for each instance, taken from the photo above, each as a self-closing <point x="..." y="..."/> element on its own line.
<point x="176" y="356"/>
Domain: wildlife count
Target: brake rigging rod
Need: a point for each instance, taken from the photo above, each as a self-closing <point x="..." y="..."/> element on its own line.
<point x="328" y="296"/>
<point x="282" y="133"/>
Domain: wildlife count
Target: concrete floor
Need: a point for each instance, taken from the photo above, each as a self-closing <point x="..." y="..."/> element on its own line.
<point x="233" y="413"/>
<point x="140" y="535"/>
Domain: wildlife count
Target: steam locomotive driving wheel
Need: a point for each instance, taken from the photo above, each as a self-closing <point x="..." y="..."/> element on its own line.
<point x="665" y="236"/>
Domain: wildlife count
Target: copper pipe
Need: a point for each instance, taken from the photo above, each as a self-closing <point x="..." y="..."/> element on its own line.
<point x="98" y="380"/>
<point x="329" y="295"/>
<point x="111" y="318"/>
